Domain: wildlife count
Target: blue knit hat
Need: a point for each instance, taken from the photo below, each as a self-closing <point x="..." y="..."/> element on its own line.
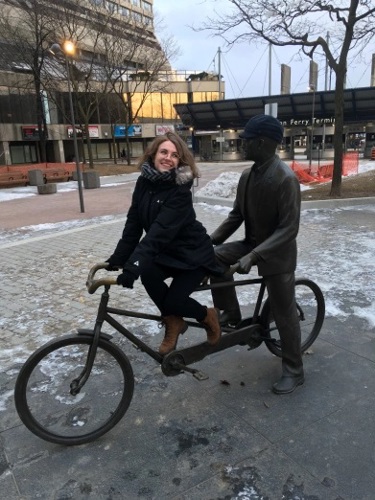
<point x="263" y="126"/>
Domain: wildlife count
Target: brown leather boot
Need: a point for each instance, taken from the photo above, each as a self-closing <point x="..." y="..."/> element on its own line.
<point x="174" y="326"/>
<point x="212" y="325"/>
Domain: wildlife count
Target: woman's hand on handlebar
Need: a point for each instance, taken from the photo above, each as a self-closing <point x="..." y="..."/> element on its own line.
<point x="93" y="284"/>
<point x="129" y="274"/>
<point x="126" y="279"/>
<point x="113" y="265"/>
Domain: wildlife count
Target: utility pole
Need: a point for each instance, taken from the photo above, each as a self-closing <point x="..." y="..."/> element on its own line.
<point x="270" y="69"/>
<point x="221" y="136"/>
<point x="219" y="70"/>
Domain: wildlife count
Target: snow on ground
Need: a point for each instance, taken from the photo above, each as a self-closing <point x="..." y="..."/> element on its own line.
<point x="21" y="233"/>
<point x="343" y="274"/>
<point x="13" y="193"/>
<point x="225" y="185"/>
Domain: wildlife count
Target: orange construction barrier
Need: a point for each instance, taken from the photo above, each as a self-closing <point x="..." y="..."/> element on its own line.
<point x="325" y="172"/>
<point x="303" y="173"/>
<point x="350" y="162"/>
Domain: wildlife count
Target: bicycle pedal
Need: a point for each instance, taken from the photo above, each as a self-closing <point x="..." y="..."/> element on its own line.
<point x="200" y="375"/>
<point x="196" y="373"/>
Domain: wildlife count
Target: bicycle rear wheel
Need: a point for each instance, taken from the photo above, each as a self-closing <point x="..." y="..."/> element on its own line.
<point x="42" y="391"/>
<point x="310" y="310"/>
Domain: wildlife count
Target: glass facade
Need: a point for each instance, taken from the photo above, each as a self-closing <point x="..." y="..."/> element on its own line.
<point x="159" y="105"/>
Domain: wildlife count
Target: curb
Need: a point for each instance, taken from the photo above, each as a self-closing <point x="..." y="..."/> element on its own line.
<point x="334" y="203"/>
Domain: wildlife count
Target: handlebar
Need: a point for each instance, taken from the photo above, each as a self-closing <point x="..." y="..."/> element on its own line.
<point x="93" y="284"/>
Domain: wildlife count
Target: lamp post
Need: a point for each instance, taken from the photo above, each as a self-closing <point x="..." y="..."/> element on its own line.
<point x="312" y="89"/>
<point x="66" y="50"/>
<point x="220" y="140"/>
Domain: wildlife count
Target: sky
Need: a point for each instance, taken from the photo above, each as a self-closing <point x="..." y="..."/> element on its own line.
<point x="244" y="68"/>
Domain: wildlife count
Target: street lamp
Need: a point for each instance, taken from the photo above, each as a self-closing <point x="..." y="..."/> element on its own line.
<point x="312" y="89"/>
<point x="220" y="140"/>
<point x="68" y="50"/>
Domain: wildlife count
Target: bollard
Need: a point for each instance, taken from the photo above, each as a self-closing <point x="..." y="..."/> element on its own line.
<point x="91" y="179"/>
<point x="35" y="177"/>
<point x="47" y="188"/>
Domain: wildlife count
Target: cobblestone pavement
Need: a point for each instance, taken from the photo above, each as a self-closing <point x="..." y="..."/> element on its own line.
<point x="184" y="439"/>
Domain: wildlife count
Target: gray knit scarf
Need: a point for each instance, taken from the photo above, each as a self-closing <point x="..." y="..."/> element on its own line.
<point x="153" y="175"/>
<point x="179" y="175"/>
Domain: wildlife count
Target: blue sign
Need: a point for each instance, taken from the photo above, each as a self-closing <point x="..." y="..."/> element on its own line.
<point x="133" y="130"/>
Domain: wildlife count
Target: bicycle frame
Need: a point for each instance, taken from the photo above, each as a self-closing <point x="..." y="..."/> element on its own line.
<point x="176" y="361"/>
<point x="62" y="424"/>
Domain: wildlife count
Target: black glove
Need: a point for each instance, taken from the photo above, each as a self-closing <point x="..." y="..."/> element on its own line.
<point x="129" y="275"/>
<point x="126" y="279"/>
<point x="113" y="263"/>
<point x="246" y="262"/>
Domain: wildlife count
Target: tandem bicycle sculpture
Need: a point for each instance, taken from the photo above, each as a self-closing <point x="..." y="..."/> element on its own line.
<point x="76" y="388"/>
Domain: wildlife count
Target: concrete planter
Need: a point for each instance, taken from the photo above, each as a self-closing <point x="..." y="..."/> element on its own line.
<point x="47" y="188"/>
<point x="91" y="179"/>
<point x="35" y="177"/>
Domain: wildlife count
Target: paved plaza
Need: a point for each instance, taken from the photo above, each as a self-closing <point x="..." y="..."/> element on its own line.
<point x="187" y="439"/>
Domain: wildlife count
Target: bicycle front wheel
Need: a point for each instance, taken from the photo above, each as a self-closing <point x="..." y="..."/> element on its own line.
<point x="310" y="309"/>
<point x="42" y="391"/>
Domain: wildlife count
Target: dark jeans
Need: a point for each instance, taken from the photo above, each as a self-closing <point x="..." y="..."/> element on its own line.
<point x="281" y="292"/>
<point x="174" y="299"/>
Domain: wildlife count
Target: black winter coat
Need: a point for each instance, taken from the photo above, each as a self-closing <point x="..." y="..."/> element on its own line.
<point x="174" y="237"/>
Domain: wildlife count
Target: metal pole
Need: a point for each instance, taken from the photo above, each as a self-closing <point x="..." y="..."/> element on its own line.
<point x="312" y="125"/>
<point x="270" y="69"/>
<point x="221" y="131"/>
<point x="219" y="68"/>
<point x="76" y="153"/>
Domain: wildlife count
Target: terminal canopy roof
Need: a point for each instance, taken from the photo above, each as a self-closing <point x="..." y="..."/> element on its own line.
<point x="359" y="106"/>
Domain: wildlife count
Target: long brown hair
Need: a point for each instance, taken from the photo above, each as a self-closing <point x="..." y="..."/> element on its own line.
<point x="185" y="156"/>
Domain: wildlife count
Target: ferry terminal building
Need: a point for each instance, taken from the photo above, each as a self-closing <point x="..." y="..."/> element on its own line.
<point x="308" y="119"/>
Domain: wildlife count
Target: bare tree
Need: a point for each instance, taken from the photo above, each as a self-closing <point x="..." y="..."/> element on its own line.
<point x="29" y="28"/>
<point x="110" y="52"/>
<point x="26" y="27"/>
<point x="87" y="79"/>
<point x="300" y="23"/>
<point x="148" y="73"/>
<point x="112" y="57"/>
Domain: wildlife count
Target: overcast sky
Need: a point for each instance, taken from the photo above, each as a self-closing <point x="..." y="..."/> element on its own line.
<point x="244" y="68"/>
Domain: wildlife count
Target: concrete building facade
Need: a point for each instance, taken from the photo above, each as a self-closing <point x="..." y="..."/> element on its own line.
<point x="122" y="85"/>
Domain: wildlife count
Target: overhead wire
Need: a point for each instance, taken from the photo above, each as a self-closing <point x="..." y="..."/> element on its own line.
<point x="229" y="71"/>
<point x="251" y="74"/>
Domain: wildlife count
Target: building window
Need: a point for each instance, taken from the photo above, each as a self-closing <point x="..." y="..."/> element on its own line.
<point x="98" y="3"/>
<point x="205" y="96"/>
<point x="23" y="153"/>
<point x="123" y="11"/>
<point x="137" y="17"/>
<point x="158" y="105"/>
<point x="147" y="21"/>
<point x="147" y="6"/>
<point x="111" y="7"/>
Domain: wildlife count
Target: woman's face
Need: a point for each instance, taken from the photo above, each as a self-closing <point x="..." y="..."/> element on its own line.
<point x="166" y="157"/>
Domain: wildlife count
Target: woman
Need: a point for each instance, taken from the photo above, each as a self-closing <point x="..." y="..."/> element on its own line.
<point x="175" y="244"/>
